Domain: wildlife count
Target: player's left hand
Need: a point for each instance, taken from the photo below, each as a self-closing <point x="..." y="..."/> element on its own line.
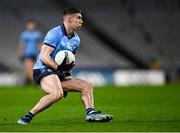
<point x="66" y="67"/>
<point x="63" y="65"/>
<point x="69" y="66"/>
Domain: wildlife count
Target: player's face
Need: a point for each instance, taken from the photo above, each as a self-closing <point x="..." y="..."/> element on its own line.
<point x="76" y="21"/>
<point x="31" y="26"/>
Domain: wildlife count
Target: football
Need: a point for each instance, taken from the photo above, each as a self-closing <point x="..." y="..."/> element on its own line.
<point x="61" y="55"/>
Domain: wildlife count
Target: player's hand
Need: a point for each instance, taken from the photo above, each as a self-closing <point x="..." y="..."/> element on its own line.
<point x="66" y="67"/>
<point x="69" y="66"/>
<point x="63" y="65"/>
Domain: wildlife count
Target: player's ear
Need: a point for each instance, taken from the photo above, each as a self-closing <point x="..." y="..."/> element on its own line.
<point x="67" y="18"/>
<point x="70" y="19"/>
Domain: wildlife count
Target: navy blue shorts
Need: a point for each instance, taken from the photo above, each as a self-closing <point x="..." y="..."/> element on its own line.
<point x="38" y="74"/>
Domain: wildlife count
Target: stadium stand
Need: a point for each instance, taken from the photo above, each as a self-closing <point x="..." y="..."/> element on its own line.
<point x="148" y="30"/>
<point x="49" y="18"/>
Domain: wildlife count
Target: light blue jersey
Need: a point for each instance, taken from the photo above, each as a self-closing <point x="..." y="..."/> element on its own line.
<point x="30" y="41"/>
<point x="58" y="39"/>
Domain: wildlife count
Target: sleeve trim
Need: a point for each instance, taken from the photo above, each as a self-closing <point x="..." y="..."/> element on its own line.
<point x="49" y="45"/>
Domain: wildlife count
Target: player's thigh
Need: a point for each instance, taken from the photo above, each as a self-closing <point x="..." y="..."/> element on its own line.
<point x="51" y="84"/>
<point x="73" y="84"/>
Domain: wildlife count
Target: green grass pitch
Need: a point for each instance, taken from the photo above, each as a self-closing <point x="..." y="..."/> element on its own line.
<point x="134" y="109"/>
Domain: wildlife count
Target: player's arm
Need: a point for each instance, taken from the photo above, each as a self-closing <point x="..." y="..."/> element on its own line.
<point x="21" y="48"/>
<point x="46" y="58"/>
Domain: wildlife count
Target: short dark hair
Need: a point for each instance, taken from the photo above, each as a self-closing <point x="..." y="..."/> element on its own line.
<point x="30" y="21"/>
<point x="70" y="10"/>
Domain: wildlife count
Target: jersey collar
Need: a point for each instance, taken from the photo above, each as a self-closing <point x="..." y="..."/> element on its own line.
<point x="65" y="33"/>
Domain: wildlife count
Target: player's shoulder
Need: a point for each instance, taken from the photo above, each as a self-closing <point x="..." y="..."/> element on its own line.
<point x="55" y="31"/>
<point x="24" y="34"/>
<point x="38" y="32"/>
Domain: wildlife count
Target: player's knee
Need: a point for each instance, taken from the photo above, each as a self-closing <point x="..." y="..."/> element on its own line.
<point x="88" y="87"/>
<point x="59" y="95"/>
<point x="56" y="96"/>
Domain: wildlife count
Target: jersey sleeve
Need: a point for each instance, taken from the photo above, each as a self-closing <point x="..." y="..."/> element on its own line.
<point x="39" y="37"/>
<point x="22" y="36"/>
<point x="51" y="39"/>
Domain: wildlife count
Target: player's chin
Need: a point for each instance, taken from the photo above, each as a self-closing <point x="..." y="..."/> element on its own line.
<point x="78" y="28"/>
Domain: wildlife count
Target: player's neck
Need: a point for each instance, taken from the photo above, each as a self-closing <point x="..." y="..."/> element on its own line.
<point x="68" y="29"/>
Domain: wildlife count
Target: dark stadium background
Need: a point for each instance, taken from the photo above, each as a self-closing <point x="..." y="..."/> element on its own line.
<point x="132" y="43"/>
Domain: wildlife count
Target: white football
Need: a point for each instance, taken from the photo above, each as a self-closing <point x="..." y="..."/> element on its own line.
<point x="61" y="55"/>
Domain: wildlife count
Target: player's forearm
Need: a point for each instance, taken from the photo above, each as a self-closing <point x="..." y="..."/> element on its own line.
<point x="46" y="59"/>
<point x="20" y="50"/>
